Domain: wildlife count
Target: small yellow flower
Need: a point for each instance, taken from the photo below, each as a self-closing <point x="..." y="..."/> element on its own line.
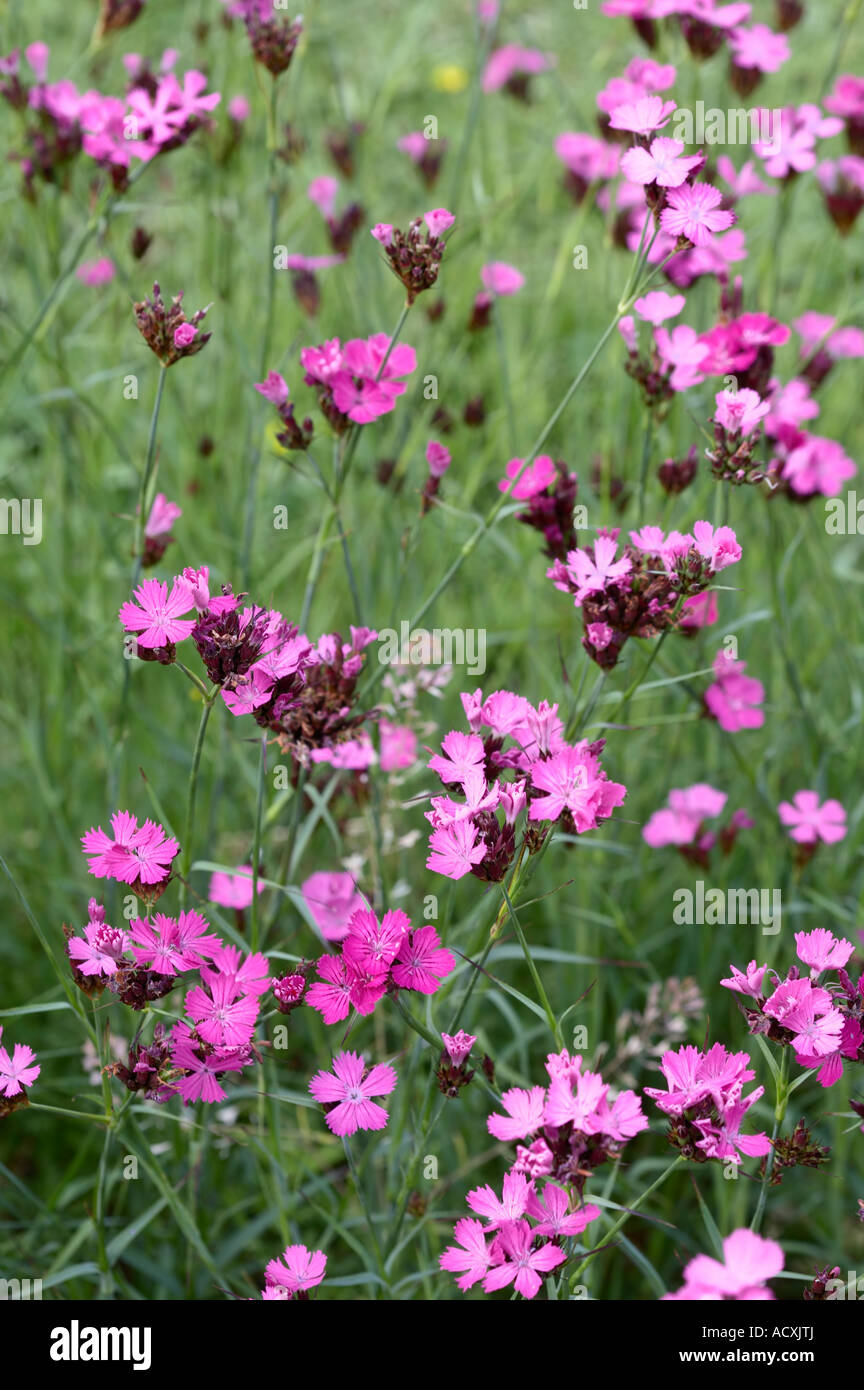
<point x="450" y="77"/>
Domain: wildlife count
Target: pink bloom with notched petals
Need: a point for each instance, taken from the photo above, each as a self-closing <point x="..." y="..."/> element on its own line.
<point x="470" y="1257"/>
<point x="593" y="573"/>
<point x="817" y="465"/>
<point x="717" y="545"/>
<point x="734" y="699"/>
<point x="532" y="480"/>
<point x="297" y="1270"/>
<point x="759" y="47"/>
<point x="512" y="61"/>
<point x="747" y="982"/>
<point x="572" y="779"/>
<point x="821" y="950"/>
<point x="524" y="1114"/>
<point x="464" y="755"/>
<point x="133" y="853"/>
<point x="162" y="516"/>
<point x="458" y="1047"/>
<point x="372" y="946"/>
<point x="398" y="746"/>
<point x="522" y="1265"/>
<point x="739" y="412"/>
<point x="349" y="1089"/>
<point x="156" y="614"/>
<point x="225" y="1016"/>
<point x="439" y="220"/>
<point x="693" y="211"/>
<point x="17" y="1071"/>
<point x="663" y="163"/>
<point x="810" y="821"/>
<point x="422" y="962"/>
<point x="273" y="388"/>
<point x="454" y="849"/>
<point x="556" y="1219"/>
<point x="510" y="1206"/>
<point x="658" y="306"/>
<point x="168" y="946"/>
<point x="642" y="116"/>
<point x="100" y="950"/>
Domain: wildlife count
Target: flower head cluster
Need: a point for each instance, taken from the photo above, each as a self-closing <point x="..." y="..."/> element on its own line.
<point x="521" y="762"/>
<point x="550" y="491"/>
<point x="167" y="331"/>
<point x="820" y="1019"/>
<point x="640" y="592"/>
<point x="415" y="257"/>
<point x="377" y="958"/>
<point x="273" y="37"/>
<point x="573" y="1123"/>
<point x="140" y="856"/>
<point x="737" y="430"/>
<point x="681" y="822"/>
<point x="705" y="1102"/>
<point x="360" y="381"/>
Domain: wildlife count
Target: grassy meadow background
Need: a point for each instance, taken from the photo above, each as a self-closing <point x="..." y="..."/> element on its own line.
<point x="255" y="1173"/>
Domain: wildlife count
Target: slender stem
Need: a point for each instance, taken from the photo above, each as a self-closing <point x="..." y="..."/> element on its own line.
<point x="625" y="1217"/>
<point x="505" y="375"/>
<point x="145" y="478"/>
<point x="643" y="471"/>
<point x="535" y="974"/>
<point x="256" y="845"/>
<point x="193" y="791"/>
<point x="780" y="1104"/>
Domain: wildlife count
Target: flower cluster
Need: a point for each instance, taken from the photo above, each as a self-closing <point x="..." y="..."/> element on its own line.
<point x="681" y="822"/>
<point x="641" y="592"/>
<point x="705" y="1102"/>
<point x="555" y="781"/>
<point x="821" y="1022"/>
<point x="167" y="331"/>
<point x="377" y="958"/>
<point x="360" y="381"/>
<point x="413" y="257"/>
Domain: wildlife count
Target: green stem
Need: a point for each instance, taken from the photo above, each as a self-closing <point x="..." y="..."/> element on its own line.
<point x="145" y="478"/>
<point x="535" y="974"/>
<point x="192" y="791"/>
<point x="256" y="845"/>
<point x="633" y="1207"/>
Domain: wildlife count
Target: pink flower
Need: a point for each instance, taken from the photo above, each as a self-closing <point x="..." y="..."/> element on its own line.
<point x="685" y="352"/>
<point x="100" y="951"/>
<point x="331" y="898"/>
<point x="322" y="192"/>
<point x="96" y="273"/>
<point x="532" y="480"/>
<point x="273" y="388"/>
<point x="439" y="220"/>
<point x="759" y="47"/>
<point x="734" y="698"/>
<point x="458" y="1048"/>
<point x="502" y="279"/>
<point x="200" y="1081"/>
<point x="821" y="950"/>
<point x="525" y="1109"/>
<point x="162" y="516"/>
<point x="155" y="614"/>
<point x="556" y="1219"/>
<point x="168" y="946"/>
<point x="662" y="163"/>
<point x="522" y="1265"/>
<point x="658" y="306"/>
<point x="642" y="116"/>
<point x="398" y="746"/>
<point x="470" y="1257"/>
<point x="750" y="982"/>
<point x="298" y="1270"/>
<point x="348" y="1089"/>
<point x="717" y="545"/>
<point x="810" y="821"/>
<point x="739" y="412"/>
<point x="817" y="465"/>
<point x="131" y="854"/>
<point x="422" y="962"/>
<point x="372" y="946"/>
<point x="592" y="574"/>
<point x="511" y="62"/>
<point x="454" y="849"/>
<point x="438" y="458"/>
<point x="233" y="889"/>
<point x="226" y="1016"/>
<point x="238" y="109"/>
<point x="17" y="1071"/>
<point x="464" y="756"/>
<point x="572" y="778"/>
<point x="693" y="211"/>
<point x="184" y="334"/>
<point x="748" y="1260"/>
<point x="510" y="1206"/>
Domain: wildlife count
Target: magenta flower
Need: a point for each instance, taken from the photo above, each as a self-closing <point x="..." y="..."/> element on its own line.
<point x="162" y="516"/>
<point x="454" y="849"/>
<point x="348" y="1091"/>
<point x="458" y="1048"/>
<point x="156" y="614"/>
<point x="464" y="756"/>
<point x="525" y="1111"/>
<point x="748" y="982"/>
<point x="573" y="779"/>
<point x="298" y="1270"/>
<point x="422" y="962"/>
<point x="226" y="1016"/>
<point x="759" y="47"/>
<point x="438" y="458"/>
<point x="522" y="1265"/>
<point x="531" y="480"/>
<point x="643" y="116"/>
<point x="658" y="306"/>
<point x="734" y="699"/>
<point x="809" y="821"/>
<point x="331" y="898"/>
<point x="511" y="65"/>
<point x="170" y="947"/>
<point x="101" y="950"/>
<point x="662" y="163"/>
<point x="200" y="1081"/>
<point x="694" y="212"/>
<point x="273" y="388"/>
<point x="748" y="1260"/>
<point x="95" y="273"/>
<point x="739" y="412"/>
<point x="470" y="1257"/>
<point x="821" y="950"/>
<point x="556" y="1219"/>
<point x="509" y="1207"/>
<point x="233" y="889"/>
<point x="17" y="1071"/>
<point x="132" y="855"/>
<point x="592" y="573"/>
<point x="502" y="279"/>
